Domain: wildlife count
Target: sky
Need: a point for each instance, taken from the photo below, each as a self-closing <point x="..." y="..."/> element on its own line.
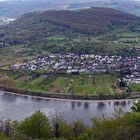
<point x="66" y="0"/>
<point x="46" y="0"/>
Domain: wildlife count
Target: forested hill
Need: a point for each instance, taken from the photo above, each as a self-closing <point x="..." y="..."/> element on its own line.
<point x="90" y="21"/>
<point x="33" y="28"/>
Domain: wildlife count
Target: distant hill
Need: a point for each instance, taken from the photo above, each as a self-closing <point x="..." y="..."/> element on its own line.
<point x="90" y="21"/>
<point x="17" y="8"/>
<point x="34" y="29"/>
<point x="129" y="6"/>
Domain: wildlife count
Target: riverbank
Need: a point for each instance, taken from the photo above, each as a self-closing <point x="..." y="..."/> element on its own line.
<point x="69" y="95"/>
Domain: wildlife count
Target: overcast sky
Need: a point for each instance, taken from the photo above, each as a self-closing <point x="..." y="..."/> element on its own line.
<point x="66" y="0"/>
<point x="46" y="0"/>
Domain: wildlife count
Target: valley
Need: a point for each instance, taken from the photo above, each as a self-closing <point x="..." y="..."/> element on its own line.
<point x="69" y="69"/>
<point x="102" y="32"/>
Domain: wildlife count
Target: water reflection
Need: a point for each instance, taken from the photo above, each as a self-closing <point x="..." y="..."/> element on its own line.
<point x="123" y="103"/>
<point x="109" y="103"/>
<point x="9" y="98"/>
<point x="79" y="104"/>
<point x="23" y="97"/>
<point x="86" y="105"/>
<point x="73" y="105"/>
<point x="129" y="102"/>
<point x="101" y="105"/>
<point x="17" y="107"/>
<point x="116" y="103"/>
<point x="38" y="99"/>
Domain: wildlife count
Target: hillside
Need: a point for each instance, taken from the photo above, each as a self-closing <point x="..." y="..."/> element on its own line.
<point x="91" y="21"/>
<point x="89" y="30"/>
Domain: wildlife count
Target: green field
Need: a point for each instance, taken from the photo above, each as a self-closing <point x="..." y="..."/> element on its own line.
<point x="96" y="84"/>
<point x="75" y="84"/>
<point x="82" y="84"/>
<point x="134" y="88"/>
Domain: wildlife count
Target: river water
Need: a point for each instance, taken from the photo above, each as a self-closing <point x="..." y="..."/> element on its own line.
<point x="17" y="107"/>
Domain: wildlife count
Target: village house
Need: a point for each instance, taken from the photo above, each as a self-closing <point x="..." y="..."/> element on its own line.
<point x="81" y="63"/>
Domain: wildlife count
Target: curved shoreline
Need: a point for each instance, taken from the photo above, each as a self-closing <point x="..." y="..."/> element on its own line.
<point x="60" y="96"/>
<point x="58" y="99"/>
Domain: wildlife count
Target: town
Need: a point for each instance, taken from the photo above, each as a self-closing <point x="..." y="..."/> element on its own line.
<point x="5" y="20"/>
<point x="84" y="63"/>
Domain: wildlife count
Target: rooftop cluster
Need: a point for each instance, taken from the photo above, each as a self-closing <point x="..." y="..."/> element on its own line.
<point x="68" y="63"/>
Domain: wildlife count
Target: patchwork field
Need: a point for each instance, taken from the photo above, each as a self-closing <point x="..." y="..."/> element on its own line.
<point x="96" y="84"/>
<point x="82" y="84"/>
<point x="75" y="84"/>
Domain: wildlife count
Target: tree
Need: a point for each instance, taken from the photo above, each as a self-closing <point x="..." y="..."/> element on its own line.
<point x="78" y="128"/>
<point x="36" y="126"/>
<point x="62" y="129"/>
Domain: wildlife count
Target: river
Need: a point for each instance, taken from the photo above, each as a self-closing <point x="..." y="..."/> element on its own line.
<point x="16" y="107"/>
